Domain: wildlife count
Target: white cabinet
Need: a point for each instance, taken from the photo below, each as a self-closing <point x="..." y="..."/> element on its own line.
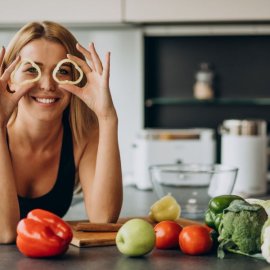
<point x="63" y="11"/>
<point x="196" y="10"/>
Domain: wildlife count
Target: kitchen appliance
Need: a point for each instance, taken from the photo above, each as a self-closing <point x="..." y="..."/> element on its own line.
<point x="244" y="145"/>
<point x="168" y="146"/>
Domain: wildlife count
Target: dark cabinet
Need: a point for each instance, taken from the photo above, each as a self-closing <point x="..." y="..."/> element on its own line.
<point x="242" y="79"/>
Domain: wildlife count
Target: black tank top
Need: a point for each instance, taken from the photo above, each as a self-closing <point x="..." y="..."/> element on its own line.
<point x="58" y="199"/>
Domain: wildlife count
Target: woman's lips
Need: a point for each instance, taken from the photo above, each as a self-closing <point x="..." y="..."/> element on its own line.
<point x="45" y="100"/>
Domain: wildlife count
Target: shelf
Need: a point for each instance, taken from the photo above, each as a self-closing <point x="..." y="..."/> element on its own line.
<point x="221" y="101"/>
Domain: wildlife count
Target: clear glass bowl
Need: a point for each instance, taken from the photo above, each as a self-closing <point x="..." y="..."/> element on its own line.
<point x="193" y="185"/>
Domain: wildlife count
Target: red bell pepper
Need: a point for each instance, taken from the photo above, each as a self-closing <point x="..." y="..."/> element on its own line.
<point x="43" y="234"/>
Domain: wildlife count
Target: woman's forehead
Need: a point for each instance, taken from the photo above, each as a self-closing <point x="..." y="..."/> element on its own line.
<point x="41" y="50"/>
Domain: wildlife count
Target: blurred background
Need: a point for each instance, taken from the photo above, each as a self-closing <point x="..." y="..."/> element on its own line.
<point x="179" y="69"/>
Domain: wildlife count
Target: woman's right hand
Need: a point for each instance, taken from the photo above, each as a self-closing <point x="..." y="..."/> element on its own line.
<point x="8" y="100"/>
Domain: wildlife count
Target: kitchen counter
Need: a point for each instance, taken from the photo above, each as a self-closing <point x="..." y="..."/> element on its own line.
<point x="136" y="203"/>
<point x="109" y="258"/>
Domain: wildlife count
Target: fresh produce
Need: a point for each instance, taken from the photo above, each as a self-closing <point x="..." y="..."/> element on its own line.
<point x="265" y="237"/>
<point x="136" y="238"/>
<point x="195" y="240"/>
<point x="166" y="208"/>
<point x="216" y="205"/>
<point x="240" y="228"/>
<point x="264" y="203"/>
<point x="167" y="234"/>
<point x="43" y="234"/>
<point x="26" y="79"/>
<point x="58" y="67"/>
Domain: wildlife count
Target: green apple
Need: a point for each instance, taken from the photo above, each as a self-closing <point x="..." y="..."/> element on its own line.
<point x="136" y="238"/>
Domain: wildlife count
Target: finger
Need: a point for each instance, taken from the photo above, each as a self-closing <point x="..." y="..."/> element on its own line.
<point x="73" y="89"/>
<point x="84" y="66"/>
<point x="22" y="91"/>
<point x="87" y="54"/>
<point x="6" y="75"/>
<point x="106" y="70"/>
<point x="2" y="54"/>
<point x="96" y="59"/>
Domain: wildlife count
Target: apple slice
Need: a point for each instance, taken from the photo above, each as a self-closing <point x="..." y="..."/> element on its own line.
<point x="166" y="208"/>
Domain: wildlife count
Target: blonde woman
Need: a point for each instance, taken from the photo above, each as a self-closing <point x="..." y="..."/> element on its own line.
<point x="52" y="130"/>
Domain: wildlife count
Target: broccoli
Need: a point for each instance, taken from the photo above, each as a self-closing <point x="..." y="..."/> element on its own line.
<point x="240" y="228"/>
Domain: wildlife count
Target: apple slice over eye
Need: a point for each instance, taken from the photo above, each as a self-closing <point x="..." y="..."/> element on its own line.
<point x="63" y="72"/>
<point x="26" y="71"/>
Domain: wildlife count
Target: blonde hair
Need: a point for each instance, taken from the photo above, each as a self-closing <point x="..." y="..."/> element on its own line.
<point x="80" y="116"/>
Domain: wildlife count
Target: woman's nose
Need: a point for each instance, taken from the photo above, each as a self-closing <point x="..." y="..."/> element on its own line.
<point x="47" y="82"/>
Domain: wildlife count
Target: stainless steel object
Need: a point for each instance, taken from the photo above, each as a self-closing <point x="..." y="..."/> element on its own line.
<point x="250" y="127"/>
<point x="244" y="145"/>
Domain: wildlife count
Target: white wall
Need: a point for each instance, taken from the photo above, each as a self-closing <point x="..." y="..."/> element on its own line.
<point x="126" y="47"/>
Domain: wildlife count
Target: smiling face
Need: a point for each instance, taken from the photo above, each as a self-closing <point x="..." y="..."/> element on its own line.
<point x="44" y="100"/>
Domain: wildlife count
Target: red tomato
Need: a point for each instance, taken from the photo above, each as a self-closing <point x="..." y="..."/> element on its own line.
<point x="195" y="240"/>
<point x="167" y="234"/>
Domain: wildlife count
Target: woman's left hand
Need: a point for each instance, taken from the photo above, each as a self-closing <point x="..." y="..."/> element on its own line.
<point x="96" y="92"/>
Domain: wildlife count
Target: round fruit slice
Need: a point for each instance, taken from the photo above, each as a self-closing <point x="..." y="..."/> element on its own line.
<point x="67" y="81"/>
<point x="166" y="208"/>
<point x="26" y="71"/>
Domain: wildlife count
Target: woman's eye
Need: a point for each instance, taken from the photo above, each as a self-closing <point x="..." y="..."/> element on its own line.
<point x="32" y="70"/>
<point x="63" y="72"/>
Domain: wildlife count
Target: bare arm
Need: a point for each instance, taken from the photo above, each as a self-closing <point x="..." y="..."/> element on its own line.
<point x="99" y="168"/>
<point x="9" y="206"/>
<point x="100" y="175"/>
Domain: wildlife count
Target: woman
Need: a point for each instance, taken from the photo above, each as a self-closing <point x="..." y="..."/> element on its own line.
<point x="51" y="131"/>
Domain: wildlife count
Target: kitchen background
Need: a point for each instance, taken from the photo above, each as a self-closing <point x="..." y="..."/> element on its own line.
<point x="157" y="48"/>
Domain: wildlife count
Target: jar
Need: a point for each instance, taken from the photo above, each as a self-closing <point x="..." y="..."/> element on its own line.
<point x="244" y="145"/>
<point x="203" y="87"/>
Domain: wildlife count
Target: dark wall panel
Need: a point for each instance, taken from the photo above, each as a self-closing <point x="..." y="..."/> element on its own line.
<point x="241" y="64"/>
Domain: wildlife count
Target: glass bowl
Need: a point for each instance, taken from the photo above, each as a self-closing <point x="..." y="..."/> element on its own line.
<point x="193" y="185"/>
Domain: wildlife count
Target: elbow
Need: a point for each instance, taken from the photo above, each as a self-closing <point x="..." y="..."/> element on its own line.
<point x="8" y="238"/>
<point x="104" y="218"/>
<point x="106" y="213"/>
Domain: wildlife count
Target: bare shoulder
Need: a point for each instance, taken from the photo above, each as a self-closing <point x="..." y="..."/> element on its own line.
<point x="89" y="144"/>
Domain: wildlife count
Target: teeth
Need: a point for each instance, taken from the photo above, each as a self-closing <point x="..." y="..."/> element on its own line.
<point x="46" y="100"/>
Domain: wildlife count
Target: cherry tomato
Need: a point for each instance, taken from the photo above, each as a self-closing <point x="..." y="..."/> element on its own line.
<point x="195" y="240"/>
<point x="167" y="234"/>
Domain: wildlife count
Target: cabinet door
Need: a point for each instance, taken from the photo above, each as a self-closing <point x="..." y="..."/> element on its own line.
<point x="196" y="10"/>
<point x="65" y="11"/>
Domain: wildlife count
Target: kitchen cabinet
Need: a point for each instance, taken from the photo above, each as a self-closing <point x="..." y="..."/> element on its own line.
<point x="64" y="11"/>
<point x="150" y="11"/>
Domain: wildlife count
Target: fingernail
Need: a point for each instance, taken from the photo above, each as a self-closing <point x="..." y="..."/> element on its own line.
<point x="2" y="48"/>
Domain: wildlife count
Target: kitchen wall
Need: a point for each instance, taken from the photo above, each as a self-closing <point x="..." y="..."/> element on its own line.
<point x="120" y="26"/>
